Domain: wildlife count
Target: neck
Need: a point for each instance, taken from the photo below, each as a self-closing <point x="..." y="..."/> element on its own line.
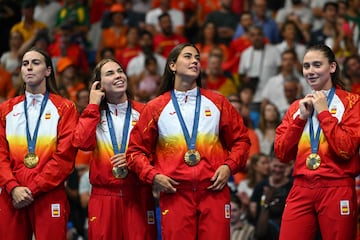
<point x="36" y="90"/>
<point x="116" y="99"/>
<point x="184" y="85"/>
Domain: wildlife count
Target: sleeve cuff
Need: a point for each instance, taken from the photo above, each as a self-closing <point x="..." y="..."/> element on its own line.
<point x="324" y="114"/>
<point x="34" y="189"/>
<point x="11" y="185"/>
<point x="299" y="122"/>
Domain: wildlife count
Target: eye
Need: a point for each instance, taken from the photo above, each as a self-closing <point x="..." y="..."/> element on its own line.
<point x="36" y="62"/>
<point x="317" y="64"/>
<point x="25" y="63"/>
<point x="109" y="73"/>
<point x="306" y="65"/>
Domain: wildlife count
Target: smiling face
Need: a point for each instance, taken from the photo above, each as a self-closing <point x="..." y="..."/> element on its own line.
<point x="187" y="65"/>
<point x="317" y="70"/>
<point x="113" y="79"/>
<point x="34" y="72"/>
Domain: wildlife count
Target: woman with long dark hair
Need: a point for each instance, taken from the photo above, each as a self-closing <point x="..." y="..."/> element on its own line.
<point x="187" y="143"/>
<point x="120" y="206"/>
<point x="36" y="154"/>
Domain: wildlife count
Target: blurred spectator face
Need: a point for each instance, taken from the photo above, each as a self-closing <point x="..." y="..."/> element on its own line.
<point x="65" y="36"/>
<point x="353" y="67"/>
<point x="16" y="39"/>
<point x="277" y="169"/>
<point x="117" y="18"/>
<point x="291" y="90"/>
<point x="152" y="66"/>
<point x="166" y="25"/>
<point x="133" y="35"/>
<point x="256" y="37"/>
<point x="270" y="113"/>
<point x="28" y="12"/>
<point x="289" y="31"/>
<point x="209" y="31"/>
<point x="330" y="14"/>
<point x="214" y="65"/>
<point x="246" y="95"/>
<point x="246" y="21"/>
<point x="83" y="98"/>
<point x="288" y="61"/>
<point x="235" y="213"/>
<point x="146" y="43"/>
<point x="342" y="8"/>
<point x="263" y="166"/>
<point x="226" y="4"/>
<point x="259" y="8"/>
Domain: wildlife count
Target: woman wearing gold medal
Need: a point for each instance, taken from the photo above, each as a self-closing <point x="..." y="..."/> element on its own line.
<point x="120" y="206"/>
<point x="36" y="154"/>
<point x="321" y="133"/>
<point x="187" y="143"/>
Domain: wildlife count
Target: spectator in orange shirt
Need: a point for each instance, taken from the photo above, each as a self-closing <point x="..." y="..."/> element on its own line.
<point x="6" y="87"/>
<point x="115" y="35"/>
<point x="208" y="40"/>
<point x="63" y="46"/>
<point x="68" y="77"/>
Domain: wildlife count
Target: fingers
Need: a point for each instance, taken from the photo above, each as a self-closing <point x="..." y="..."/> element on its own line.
<point x="119" y="160"/>
<point x="164" y="184"/>
<point x="95" y="85"/>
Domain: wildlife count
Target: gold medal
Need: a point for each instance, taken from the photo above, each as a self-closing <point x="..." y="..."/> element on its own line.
<point x="192" y="157"/>
<point x="313" y="161"/>
<point x="31" y="160"/>
<point x="120" y="172"/>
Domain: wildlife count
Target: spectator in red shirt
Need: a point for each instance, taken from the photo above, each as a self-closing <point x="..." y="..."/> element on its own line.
<point x="165" y="41"/>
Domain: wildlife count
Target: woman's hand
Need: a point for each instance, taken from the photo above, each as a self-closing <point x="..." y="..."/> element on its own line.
<point x="96" y="93"/>
<point x="220" y="178"/>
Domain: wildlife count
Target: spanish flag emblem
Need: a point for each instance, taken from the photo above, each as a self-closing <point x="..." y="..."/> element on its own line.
<point x="47" y="115"/>
<point x="333" y="110"/>
<point x="207" y="112"/>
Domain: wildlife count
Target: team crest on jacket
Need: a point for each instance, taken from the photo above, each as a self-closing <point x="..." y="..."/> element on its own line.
<point x="55" y="210"/>
<point x="207" y="112"/>
<point x="333" y="110"/>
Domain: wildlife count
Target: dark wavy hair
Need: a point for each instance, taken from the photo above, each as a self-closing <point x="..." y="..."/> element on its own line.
<point x="168" y="77"/>
<point x="50" y="80"/>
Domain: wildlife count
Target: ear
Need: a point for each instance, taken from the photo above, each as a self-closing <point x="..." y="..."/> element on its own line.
<point x="172" y="66"/>
<point x="48" y="71"/>
<point x="333" y="67"/>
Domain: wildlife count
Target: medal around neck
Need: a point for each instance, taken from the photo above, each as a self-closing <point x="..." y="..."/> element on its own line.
<point x="120" y="172"/>
<point x="31" y="160"/>
<point x="192" y="157"/>
<point x="313" y="161"/>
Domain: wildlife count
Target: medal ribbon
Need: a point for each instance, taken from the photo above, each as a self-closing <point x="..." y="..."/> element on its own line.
<point x="190" y="141"/>
<point x="32" y="140"/>
<point x="125" y="130"/>
<point x="314" y="140"/>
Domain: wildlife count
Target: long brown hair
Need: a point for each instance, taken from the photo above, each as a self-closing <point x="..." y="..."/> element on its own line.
<point x="168" y="78"/>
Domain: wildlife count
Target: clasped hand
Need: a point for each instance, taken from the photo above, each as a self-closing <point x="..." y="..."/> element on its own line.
<point x="316" y="100"/>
